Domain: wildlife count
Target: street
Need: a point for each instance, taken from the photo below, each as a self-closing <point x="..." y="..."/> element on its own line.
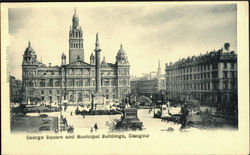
<point x="84" y="125"/>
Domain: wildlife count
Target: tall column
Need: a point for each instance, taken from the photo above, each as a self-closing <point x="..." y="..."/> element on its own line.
<point x="97" y="65"/>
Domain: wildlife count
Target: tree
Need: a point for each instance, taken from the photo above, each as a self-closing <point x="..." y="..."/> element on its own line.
<point x="36" y="99"/>
<point x="143" y="100"/>
<point x="18" y="97"/>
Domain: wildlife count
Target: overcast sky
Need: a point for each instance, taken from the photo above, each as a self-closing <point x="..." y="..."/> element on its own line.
<point x="148" y="32"/>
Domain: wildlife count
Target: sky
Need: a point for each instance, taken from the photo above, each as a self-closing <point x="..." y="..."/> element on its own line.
<point x="149" y="33"/>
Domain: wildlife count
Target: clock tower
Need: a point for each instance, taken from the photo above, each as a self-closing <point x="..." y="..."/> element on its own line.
<point x="75" y="40"/>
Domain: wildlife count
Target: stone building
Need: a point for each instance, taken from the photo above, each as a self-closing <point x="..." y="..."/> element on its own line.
<point x="210" y="78"/>
<point x="151" y="84"/>
<point x="75" y="81"/>
<point x="15" y="88"/>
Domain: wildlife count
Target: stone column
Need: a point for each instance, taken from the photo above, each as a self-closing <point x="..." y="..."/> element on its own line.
<point x="97" y="65"/>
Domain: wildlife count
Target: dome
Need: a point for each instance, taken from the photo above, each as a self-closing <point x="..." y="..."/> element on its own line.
<point x="121" y="54"/>
<point x="29" y="50"/>
<point x="121" y="51"/>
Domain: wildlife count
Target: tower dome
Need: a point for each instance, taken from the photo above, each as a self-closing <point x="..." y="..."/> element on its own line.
<point x="121" y="56"/>
<point x="75" y="20"/>
<point x="121" y="51"/>
<point x="29" y="50"/>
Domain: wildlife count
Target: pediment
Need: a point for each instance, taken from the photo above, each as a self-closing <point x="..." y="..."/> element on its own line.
<point x="79" y="63"/>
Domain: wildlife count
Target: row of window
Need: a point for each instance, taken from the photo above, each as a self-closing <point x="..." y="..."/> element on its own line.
<point x="200" y="68"/>
<point x="193" y="77"/>
<point x="123" y="71"/>
<point x="232" y="74"/>
<point x="50" y="92"/>
<point x="76" y="45"/>
<point x="202" y="86"/>
<point x="75" y="34"/>
<point x="71" y="82"/>
<point x="196" y="86"/>
<point x="74" y="72"/>
<point x="225" y="65"/>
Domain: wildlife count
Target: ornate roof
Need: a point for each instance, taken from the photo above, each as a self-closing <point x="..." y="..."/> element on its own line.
<point x="29" y="50"/>
<point x="121" y="56"/>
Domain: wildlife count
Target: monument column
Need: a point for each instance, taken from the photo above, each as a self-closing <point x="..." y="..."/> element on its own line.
<point x="97" y="65"/>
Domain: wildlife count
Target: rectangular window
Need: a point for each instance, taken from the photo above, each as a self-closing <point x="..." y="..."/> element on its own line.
<point x="58" y="91"/>
<point x="50" y="91"/>
<point x="57" y="83"/>
<point x="42" y="92"/>
<point x="232" y="75"/>
<point x="42" y="98"/>
<point x="87" y="82"/>
<point x="225" y="65"/>
<point x="232" y="65"/>
<point x="106" y="83"/>
<point x="225" y="74"/>
<point x="214" y="74"/>
<point x="225" y="84"/>
<point x="215" y="66"/>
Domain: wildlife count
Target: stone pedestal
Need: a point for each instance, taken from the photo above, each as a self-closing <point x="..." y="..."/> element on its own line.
<point x="98" y="102"/>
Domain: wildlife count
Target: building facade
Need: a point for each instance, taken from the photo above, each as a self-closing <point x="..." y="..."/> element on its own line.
<point x="76" y="80"/>
<point x="15" y="89"/>
<point x="210" y="78"/>
<point x="150" y="84"/>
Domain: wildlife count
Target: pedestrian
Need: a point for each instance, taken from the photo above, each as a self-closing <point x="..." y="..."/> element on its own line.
<point x="71" y="113"/>
<point x="95" y="126"/>
<point x="184" y="116"/>
<point x="83" y="116"/>
<point x="91" y="130"/>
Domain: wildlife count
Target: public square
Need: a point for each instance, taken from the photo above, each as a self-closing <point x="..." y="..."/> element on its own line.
<point x="84" y="125"/>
